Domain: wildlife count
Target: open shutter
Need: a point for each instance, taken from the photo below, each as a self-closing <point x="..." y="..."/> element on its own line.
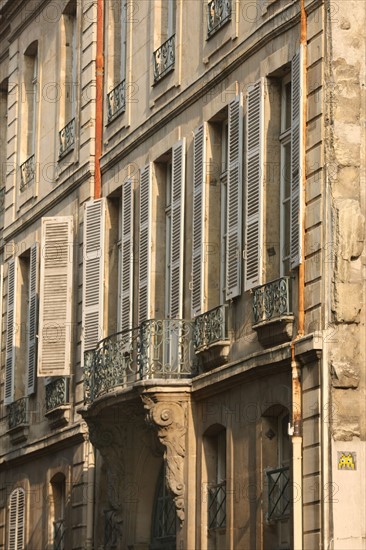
<point x="55" y="297"/>
<point x="32" y="321"/>
<point x="10" y="334"/>
<point x="296" y="160"/>
<point x="234" y="199"/>
<point x="177" y="236"/>
<point x="198" y="230"/>
<point x="254" y="187"/>
<point x="126" y="264"/>
<point x="93" y="273"/>
<point x="16" y="520"/>
<point x="145" y="244"/>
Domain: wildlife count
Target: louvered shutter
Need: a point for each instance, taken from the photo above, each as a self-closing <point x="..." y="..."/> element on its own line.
<point x="198" y="229"/>
<point x="54" y="352"/>
<point x="93" y="274"/>
<point x="296" y="160"/>
<point x="126" y="264"/>
<point x="254" y="187"/>
<point x="16" y="520"/>
<point x="145" y="244"/>
<point x="234" y="199"/>
<point x="32" y="321"/>
<point x="10" y="333"/>
<point x="177" y="235"/>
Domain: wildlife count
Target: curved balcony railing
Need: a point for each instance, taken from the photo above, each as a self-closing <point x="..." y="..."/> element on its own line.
<point x="158" y="349"/>
<point x="272" y="300"/>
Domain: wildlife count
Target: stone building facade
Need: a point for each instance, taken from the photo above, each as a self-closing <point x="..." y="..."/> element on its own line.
<point x="183" y="275"/>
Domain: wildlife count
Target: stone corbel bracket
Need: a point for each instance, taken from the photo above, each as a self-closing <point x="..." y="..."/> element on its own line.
<point x="169" y="419"/>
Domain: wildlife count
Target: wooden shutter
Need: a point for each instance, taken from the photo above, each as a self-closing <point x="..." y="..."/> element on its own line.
<point x="198" y="229"/>
<point x="254" y="187"/>
<point x="145" y="244"/>
<point x="296" y="160"/>
<point x="93" y="274"/>
<point x="234" y="199"/>
<point x="10" y="333"/>
<point x="126" y="263"/>
<point x="16" y="520"/>
<point x="177" y="235"/>
<point x="55" y="297"/>
<point x="32" y="320"/>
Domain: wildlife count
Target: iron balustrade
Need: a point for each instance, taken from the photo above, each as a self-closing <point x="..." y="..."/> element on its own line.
<point x="211" y="327"/>
<point x="164" y="58"/>
<point x="18" y="413"/>
<point x="57" y="393"/>
<point x="219" y="13"/>
<point x="159" y="348"/>
<point x="27" y="172"/>
<point x="278" y="493"/>
<point x="217" y="505"/>
<point x="67" y="137"/>
<point x="59" y="535"/>
<point x="2" y="200"/>
<point x="272" y="300"/>
<point x="116" y="100"/>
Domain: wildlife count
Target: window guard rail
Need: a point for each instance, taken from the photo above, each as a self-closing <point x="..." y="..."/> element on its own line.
<point x="27" y="172"/>
<point x="216" y="505"/>
<point x="272" y="300"/>
<point x="67" y="138"/>
<point x="211" y="327"/>
<point x="57" y="393"/>
<point x="278" y="493"/>
<point x="116" y="100"/>
<point x="218" y="13"/>
<point x="164" y="58"/>
<point x="59" y="535"/>
<point x="18" y="413"/>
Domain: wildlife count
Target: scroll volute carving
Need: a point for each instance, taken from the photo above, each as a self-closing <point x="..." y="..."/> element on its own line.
<point x="169" y="420"/>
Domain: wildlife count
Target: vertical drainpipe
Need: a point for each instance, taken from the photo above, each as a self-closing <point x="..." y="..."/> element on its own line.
<point x="99" y="69"/>
<point x="296" y="430"/>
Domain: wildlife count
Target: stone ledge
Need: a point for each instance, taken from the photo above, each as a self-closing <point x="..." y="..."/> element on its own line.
<point x="275" y="331"/>
<point x="59" y="416"/>
<point x="18" y="434"/>
<point x="214" y="355"/>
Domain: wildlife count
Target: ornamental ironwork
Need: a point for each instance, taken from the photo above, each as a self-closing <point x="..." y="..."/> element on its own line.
<point x="18" y="413"/>
<point x="27" y="172"/>
<point x="164" y="59"/>
<point x="217" y="505"/>
<point x="218" y="13"/>
<point x="116" y="100"/>
<point x="57" y="393"/>
<point x="272" y="300"/>
<point x="211" y="327"/>
<point x="58" y="535"/>
<point x="67" y="137"/>
<point x="278" y="493"/>
<point x="157" y="349"/>
<point x="2" y="200"/>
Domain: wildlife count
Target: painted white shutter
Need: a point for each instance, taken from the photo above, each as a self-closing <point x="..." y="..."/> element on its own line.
<point x="126" y="264"/>
<point x="55" y="314"/>
<point x="254" y="187"/>
<point x="198" y="229"/>
<point x="296" y="160"/>
<point x="16" y="520"/>
<point x="177" y="236"/>
<point x="145" y="244"/>
<point x="234" y="199"/>
<point x="10" y="333"/>
<point x="93" y="274"/>
<point x="32" y="320"/>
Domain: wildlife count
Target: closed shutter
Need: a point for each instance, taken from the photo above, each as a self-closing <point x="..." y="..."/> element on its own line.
<point x="32" y="320"/>
<point x="16" y="520"/>
<point x="93" y="274"/>
<point x="234" y="199"/>
<point x="10" y="334"/>
<point x="177" y="236"/>
<point x="296" y="160"/>
<point x="145" y="244"/>
<point x="198" y="230"/>
<point x="254" y="187"/>
<point x="126" y="263"/>
<point x="54" y="352"/>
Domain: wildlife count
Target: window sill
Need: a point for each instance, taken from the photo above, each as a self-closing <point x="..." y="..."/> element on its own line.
<point x="59" y="416"/>
<point x="275" y="331"/>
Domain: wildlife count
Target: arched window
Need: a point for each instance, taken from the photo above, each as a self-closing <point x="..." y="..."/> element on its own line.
<point x="164" y="516"/>
<point x="16" y="520"/>
<point x="58" y="504"/>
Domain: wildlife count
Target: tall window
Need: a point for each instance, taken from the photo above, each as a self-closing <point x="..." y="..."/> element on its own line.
<point x="214" y="446"/>
<point x="164" y="516"/>
<point x="58" y="505"/>
<point x="285" y="141"/>
<point x="3" y="137"/>
<point x="16" y="540"/>
<point x="164" y="24"/>
<point x="117" y="54"/>
<point x="168" y="9"/>
<point x="31" y="88"/>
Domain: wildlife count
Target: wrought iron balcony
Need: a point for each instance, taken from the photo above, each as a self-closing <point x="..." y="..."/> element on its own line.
<point x="164" y="59"/>
<point x="219" y="13"/>
<point x="2" y="200"/>
<point x="18" y="413"/>
<point x="278" y="493"/>
<point x="67" y="138"/>
<point x="211" y="328"/>
<point x="272" y="300"/>
<point x="57" y="394"/>
<point x="59" y="535"/>
<point x="217" y="505"/>
<point x="27" y="172"/>
<point x="158" y="349"/>
<point x="116" y="100"/>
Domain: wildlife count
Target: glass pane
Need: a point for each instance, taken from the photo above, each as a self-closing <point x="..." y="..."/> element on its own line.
<point x="287" y="170"/>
